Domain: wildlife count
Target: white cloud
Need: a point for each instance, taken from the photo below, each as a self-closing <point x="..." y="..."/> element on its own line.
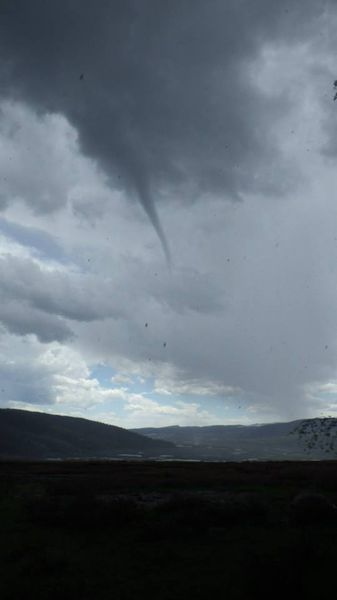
<point x="83" y="393"/>
<point x="121" y="378"/>
<point x="145" y="412"/>
<point x="328" y="388"/>
<point x="40" y="161"/>
<point x="194" y="388"/>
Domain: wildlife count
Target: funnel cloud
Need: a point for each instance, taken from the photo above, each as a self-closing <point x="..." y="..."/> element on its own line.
<point x="158" y="91"/>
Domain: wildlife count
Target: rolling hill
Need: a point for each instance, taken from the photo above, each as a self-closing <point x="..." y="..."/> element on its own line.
<point x="25" y="434"/>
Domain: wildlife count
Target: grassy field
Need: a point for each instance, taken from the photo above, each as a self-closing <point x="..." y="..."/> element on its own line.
<point x="165" y="530"/>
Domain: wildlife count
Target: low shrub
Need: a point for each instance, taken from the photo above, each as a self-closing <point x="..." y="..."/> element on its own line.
<point x="309" y="508"/>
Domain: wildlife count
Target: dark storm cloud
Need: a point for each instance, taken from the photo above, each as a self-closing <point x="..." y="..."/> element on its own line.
<point x="159" y="91"/>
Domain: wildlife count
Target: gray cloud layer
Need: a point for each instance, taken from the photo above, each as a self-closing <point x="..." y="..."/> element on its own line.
<point x="41" y="242"/>
<point x="55" y="293"/>
<point x="25" y="383"/>
<point x="169" y="109"/>
<point x="165" y="102"/>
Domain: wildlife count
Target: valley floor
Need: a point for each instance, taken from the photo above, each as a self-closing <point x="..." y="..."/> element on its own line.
<point x="125" y="530"/>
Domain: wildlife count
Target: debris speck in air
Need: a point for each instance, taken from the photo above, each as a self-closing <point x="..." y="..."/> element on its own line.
<point x="146" y="324"/>
<point x="326" y="346"/>
<point x="82" y="76"/>
<point x="164" y="344"/>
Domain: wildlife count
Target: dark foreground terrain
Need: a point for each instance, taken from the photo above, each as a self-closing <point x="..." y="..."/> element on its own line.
<point x="129" y="530"/>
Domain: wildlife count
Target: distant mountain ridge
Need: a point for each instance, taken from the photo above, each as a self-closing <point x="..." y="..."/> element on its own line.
<point x="217" y="433"/>
<point x="34" y="435"/>
<point x="271" y="441"/>
<point x="25" y="434"/>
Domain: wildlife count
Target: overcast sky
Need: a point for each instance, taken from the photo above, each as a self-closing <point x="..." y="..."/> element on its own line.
<point x="168" y="211"/>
